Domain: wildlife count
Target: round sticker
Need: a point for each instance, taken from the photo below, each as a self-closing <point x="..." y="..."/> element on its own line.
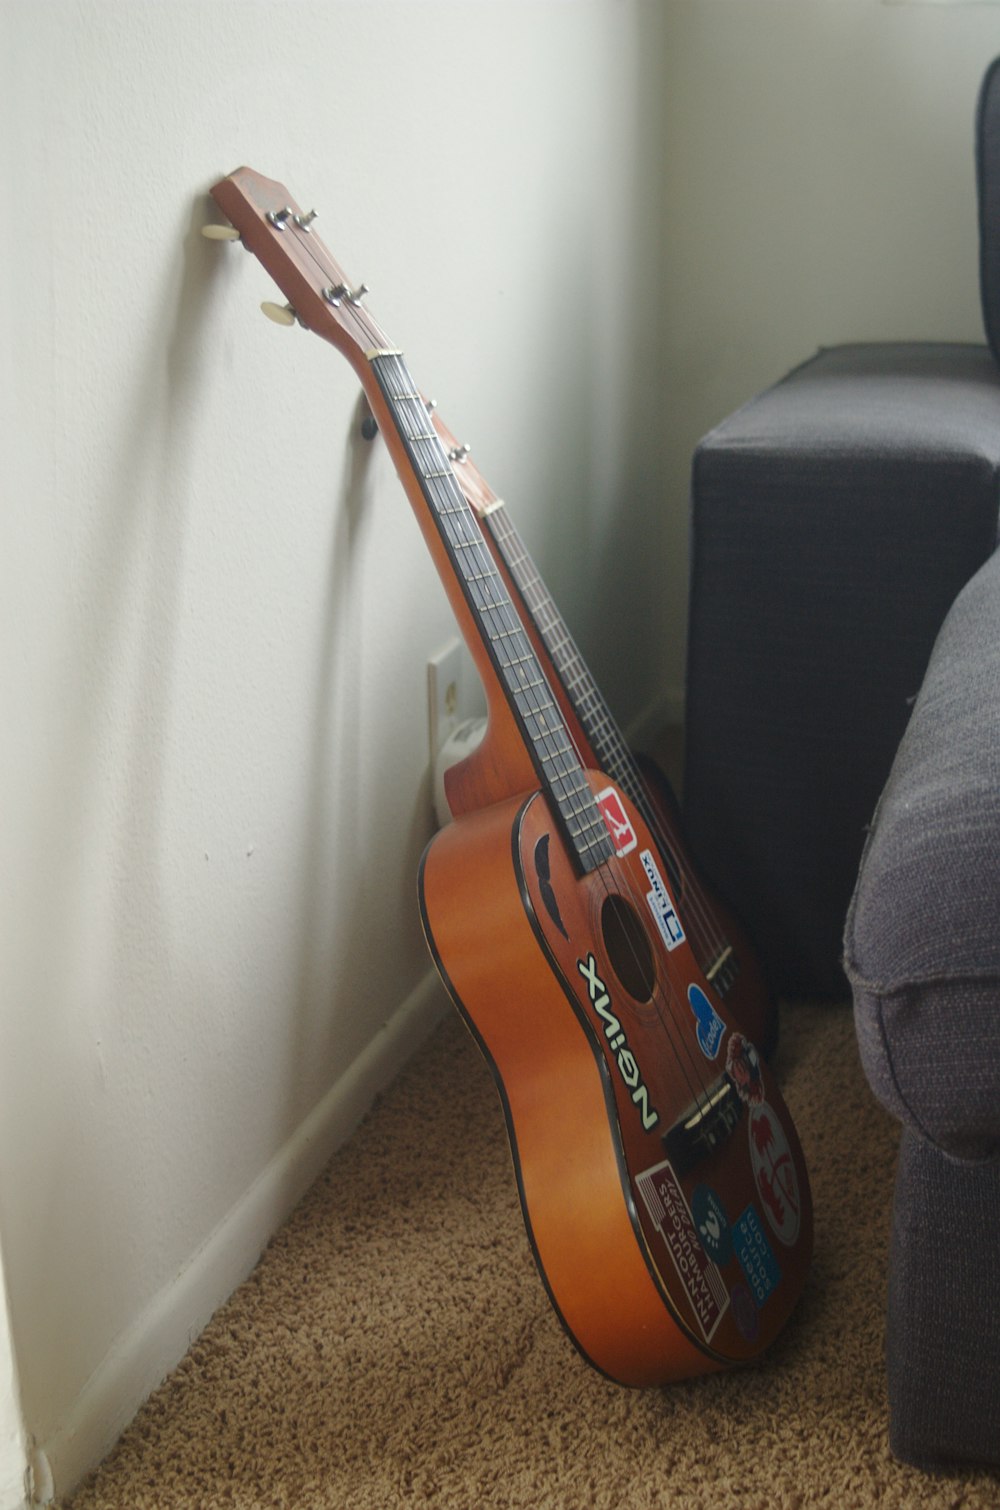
<point x="743" y="1069"/>
<point x="774" y="1172"/>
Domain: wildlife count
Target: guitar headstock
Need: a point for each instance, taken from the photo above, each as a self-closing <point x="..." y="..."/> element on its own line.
<point x="280" y="234"/>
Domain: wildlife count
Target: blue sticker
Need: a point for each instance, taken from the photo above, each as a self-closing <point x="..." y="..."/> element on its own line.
<point x="710" y="1025"/>
<point x="712" y="1223"/>
<point x="754" y="1253"/>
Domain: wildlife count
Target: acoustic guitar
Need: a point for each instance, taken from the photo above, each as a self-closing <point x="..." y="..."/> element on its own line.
<point x="720" y="943"/>
<point x="661" y="1179"/>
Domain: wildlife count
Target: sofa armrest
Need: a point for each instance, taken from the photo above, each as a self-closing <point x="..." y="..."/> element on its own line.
<point x="922" y="939"/>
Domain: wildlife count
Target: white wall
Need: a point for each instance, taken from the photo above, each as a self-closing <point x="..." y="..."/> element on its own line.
<point x="818" y="187"/>
<point x="217" y="609"/>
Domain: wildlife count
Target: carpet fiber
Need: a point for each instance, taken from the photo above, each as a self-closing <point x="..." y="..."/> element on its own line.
<point x="394" y="1346"/>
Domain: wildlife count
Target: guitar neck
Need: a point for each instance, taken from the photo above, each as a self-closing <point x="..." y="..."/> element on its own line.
<point x="519" y="673"/>
<point x="608" y="746"/>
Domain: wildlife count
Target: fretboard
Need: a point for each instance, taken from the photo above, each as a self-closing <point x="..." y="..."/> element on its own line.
<point x="560" y="771"/>
<point x="611" y="752"/>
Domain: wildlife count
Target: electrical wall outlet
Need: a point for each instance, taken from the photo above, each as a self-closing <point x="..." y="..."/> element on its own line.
<point x="454" y="693"/>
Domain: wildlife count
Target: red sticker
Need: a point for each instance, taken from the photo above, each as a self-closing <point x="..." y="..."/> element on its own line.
<point x="774" y="1171"/>
<point x="617" y="819"/>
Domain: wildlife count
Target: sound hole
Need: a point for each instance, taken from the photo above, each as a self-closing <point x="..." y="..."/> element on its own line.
<point x="628" y="948"/>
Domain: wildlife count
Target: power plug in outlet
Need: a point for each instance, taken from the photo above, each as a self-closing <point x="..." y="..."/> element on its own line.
<point x="454" y="693"/>
<point x="444" y="683"/>
<point x="456" y="711"/>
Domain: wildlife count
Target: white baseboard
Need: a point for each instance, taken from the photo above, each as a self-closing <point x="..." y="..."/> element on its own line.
<point x="158" y="1339"/>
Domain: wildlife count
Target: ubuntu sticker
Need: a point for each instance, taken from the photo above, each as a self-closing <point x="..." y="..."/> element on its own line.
<point x="774" y="1172"/>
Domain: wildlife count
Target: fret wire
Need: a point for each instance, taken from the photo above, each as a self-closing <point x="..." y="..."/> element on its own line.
<point x="569" y="774"/>
<point x="458" y="511"/>
<point x="568" y="786"/>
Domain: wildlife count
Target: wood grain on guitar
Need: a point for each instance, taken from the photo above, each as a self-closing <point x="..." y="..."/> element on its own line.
<point x="662" y="1183"/>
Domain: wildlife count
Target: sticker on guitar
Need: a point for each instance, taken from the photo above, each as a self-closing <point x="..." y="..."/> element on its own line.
<point x="774" y="1172"/>
<point x="619" y="825"/>
<point x="660" y="905"/>
<point x="668" y="1208"/>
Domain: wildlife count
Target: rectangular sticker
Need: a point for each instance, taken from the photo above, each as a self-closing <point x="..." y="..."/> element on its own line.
<point x="755" y="1255"/>
<point x="668" y="1207"/>
<point x="660" y="905"/>
<point x="619" y="825"/>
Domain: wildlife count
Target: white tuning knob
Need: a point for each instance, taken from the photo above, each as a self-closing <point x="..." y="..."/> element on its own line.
<point x="281" y="314"/>
<point x="220" y="232"/>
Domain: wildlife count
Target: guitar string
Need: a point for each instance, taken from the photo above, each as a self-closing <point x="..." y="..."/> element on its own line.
<point x="566" y="654"/>
<point x="536" y="704"/>
<point x="501" y="617"/>
<point x="367" y="326"/>
<point x="612" y="754"/>
<point x="599" y="728"/>
<point x="621" y="764"/>
<point x="497" y="611"/>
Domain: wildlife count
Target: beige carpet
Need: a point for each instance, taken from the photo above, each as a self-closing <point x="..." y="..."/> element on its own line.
<point x="394" y="1346"/>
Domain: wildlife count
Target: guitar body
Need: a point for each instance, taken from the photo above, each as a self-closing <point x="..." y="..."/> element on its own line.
<point x="574" y="1001"/>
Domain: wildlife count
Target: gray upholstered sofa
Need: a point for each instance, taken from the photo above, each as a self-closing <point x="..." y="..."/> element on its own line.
<point x="922" y="951"/>
<point x="844" y="641"/>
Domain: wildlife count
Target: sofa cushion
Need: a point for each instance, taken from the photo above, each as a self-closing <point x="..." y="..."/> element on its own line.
<point x="922" y="940"/>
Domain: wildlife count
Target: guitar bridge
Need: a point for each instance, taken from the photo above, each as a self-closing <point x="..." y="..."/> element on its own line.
<point x="705" y="1126"/>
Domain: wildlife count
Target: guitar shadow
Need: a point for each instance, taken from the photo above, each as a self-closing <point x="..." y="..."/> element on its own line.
<point x="359" y="929"/>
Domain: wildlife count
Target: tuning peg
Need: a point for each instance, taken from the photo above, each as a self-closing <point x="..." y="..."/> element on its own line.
<point x="305" y="221"/>
<point x="220" y="232"/>
<point x="459" y="453"/>
<point x="336" y="293"/>
<point x="281" y="314"/>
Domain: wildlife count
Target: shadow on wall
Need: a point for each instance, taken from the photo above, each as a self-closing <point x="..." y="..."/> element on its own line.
<point x="603" y="545"/>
